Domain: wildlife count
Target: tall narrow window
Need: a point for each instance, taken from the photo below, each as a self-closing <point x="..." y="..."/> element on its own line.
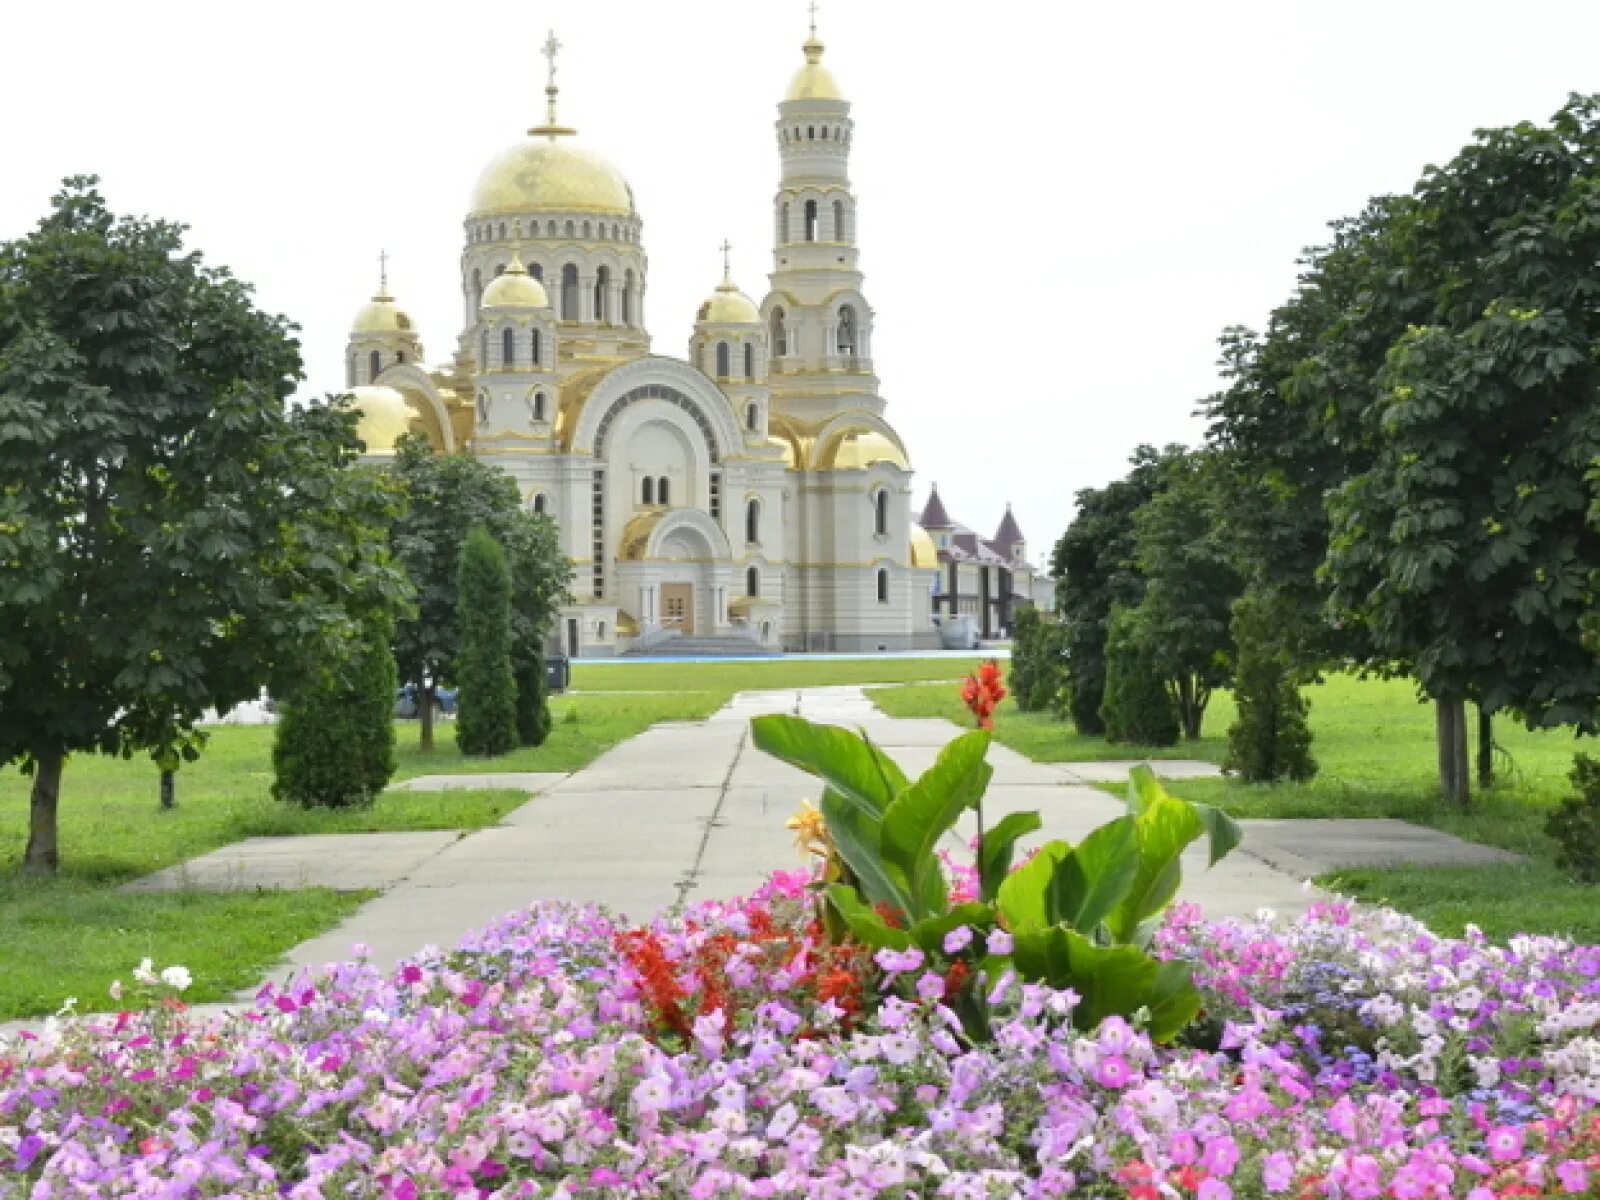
<point x="780" y="336"/>
<point x="838" y="222"/>
<point x="508" y="349"/>
<point x="537" y="348"/>
<point x="537" y="271"/>
<point x="375" y="363"/>
<point x="649" y="494"/>
<point x="847" y="330"/>
<point x="881" y="513"/>
<point x="477" y="290"/>
<point x="722" y="360"/>
<point x="752" y="418"/>
<point x="538" y="406"/>
<point x="399" y="356"/>
<point x="627" y="297"/>
<point x="602" y="285"/>
<point x="483" y="350"/>
<point x="663" y="491"/>
<point x="749" y="360"/>
<point x="752" y="583"/>
<point x="883" y="586"/>
<point x="752" y="521"/>
<point x="569" y="292"/>
<point x="539" y="504"/>
<point x="811" y="220"/>
<point x="351" y="378"/>
<point x="783" y="223"/>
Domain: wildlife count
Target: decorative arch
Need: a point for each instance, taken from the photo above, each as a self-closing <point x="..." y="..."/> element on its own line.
<point x="825" y="451"/>
<point x="648" y="536"/>
<point x="659" y="379"/>
<point x="413" y="382"/>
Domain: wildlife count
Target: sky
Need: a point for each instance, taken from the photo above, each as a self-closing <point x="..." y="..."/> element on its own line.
<point x="1061" y="205"/>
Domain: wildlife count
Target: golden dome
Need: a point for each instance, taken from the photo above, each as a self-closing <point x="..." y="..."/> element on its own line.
<point x="813" y="81"/>
<point x="384" y="415"/>
<point x="381" y="315"/>
<point x="857" y="450"/>
<point x="543" y="174"/>
<point x="923" y="552"/>
<point x="728" y="306"/>
<point x="515" y="289"/>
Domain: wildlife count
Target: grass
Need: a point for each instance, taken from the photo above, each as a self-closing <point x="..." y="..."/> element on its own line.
<point x="1375" y="745"/>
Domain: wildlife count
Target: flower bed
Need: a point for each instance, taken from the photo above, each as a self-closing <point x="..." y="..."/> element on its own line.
<point x="738" y="1051"/>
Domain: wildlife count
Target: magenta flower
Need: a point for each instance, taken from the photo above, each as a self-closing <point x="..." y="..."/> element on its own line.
<point x="1214" y="1189"/>
<point x="1113" y="1072"/>
<point x="1220" y="1156"/>
<point x="1505" y="1143"/>
<point x="1277" y="1172"/>
<point x="1573" y="1176"/>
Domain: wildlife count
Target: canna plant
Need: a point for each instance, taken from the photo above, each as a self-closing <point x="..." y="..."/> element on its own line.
<point x="1078" y="917"/>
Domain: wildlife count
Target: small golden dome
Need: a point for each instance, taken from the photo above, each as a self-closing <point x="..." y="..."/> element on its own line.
<point x="381" y="315"/>
<point x="515" y="289"/>
<point x="728" y="306"/>
<point x="813" y="81"/>
<point x="384" y="415"/>
<point x="855" y="451"/>
<point x="923" y="552"/>
<point x="543" y="174"/>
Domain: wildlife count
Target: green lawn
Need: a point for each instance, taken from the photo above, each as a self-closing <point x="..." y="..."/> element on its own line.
<point x="1375" y="744"/>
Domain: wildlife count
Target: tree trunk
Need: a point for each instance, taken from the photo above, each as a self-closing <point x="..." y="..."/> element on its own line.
<point x="1485" y="748"/>
<point x="169" y="789"/>
<point x="42" y="855"/>
<point x="425" y="715"/>
<point x="1455" y="780"/>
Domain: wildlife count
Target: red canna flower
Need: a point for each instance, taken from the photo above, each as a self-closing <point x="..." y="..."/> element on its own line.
<point x="982" y="693"/>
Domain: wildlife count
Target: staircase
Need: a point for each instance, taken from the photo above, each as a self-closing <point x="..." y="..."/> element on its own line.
<point x="690" y="646"/>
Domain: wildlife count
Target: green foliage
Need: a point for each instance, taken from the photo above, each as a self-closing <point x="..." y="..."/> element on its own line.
<point x="1080" y="916"/>
<point x="540" y="575"/>
<point x="1038" y="662"/>
<point x="486" y="721"/>
<point x="334" y="744"/>
<point x="1270" y="737"/>
<point x="533" y="701"/>
<point x="1575" y="825"/>
<point x="173" y="535"/>
<point x="1137" y="706"/>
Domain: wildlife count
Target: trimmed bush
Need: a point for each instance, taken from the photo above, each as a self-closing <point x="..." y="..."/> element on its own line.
<point x="1271" y="737"/>
<point x="1137" y="706"/>
<point x="486" y="720"/>
<point x="1038" y="662"/>
<point x="533" y="701"/>
<point x="1575" y="824"/>
<point x="334" y="744"/>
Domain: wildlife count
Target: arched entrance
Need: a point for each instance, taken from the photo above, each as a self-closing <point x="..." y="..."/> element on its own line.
<point x="675" y="571"/>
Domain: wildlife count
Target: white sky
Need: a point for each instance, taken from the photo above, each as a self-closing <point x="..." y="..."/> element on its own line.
<point x="1061" y="203"/>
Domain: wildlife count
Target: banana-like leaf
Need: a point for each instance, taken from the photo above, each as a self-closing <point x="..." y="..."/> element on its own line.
<point x="1174" y="1000"/>
<point x="1163" y="829"/>
<point x="923" y="813"/>
<point x="1024" y="895"/>
<point x="929" y="934"/>
<point x="1223" y="830"/>
<point x="1096" y="877"/>
<point x="997" y="847"/>
<point x="1109" y="980"/>
<point x="869" y="928"/>
<point x="855" y="835"/>
<point x="1144" y="789"/>
<point x="847" y="762"/>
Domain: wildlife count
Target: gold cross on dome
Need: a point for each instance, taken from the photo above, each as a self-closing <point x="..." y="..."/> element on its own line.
<point x="813" y="18"/>
<point x="383" y="269"/>
<point x="551" y="49"/>
<point x="727" y="269"/>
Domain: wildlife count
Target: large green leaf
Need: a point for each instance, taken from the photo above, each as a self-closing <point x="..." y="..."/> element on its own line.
<point x="1024" y="895"/>
<point x="929" y="934"/>
<point x="848" y="762"/>
<point x="864" y="922"/>
<point x="1144" y="789"/>
<point x="1163" y="829"/>
<point x="1096" y="876"/>
<point x="1174" y="1000"/>
<point x="926" y="811"/>
<point x="1109" y="980"/>
<point x="1224" y="831"/>
<point x="855" y="835"/>
<point x="997" y="847"/>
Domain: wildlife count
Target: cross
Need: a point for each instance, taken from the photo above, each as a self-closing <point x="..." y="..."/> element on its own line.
<point x="383" y="269"/>
<point x="727" y="270"/>
<point x="551" y="48"/>
<point x="813" y="18"/>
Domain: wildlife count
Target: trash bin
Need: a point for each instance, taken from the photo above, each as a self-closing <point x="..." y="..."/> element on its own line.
<point x="557" y="673"/>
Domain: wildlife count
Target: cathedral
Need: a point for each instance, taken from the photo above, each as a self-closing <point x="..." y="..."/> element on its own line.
<point x="749" y="496"/>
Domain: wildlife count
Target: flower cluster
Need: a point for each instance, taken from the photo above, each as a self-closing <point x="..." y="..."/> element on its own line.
<point x="720" y="1053"/>
<point x="982" y="693"/>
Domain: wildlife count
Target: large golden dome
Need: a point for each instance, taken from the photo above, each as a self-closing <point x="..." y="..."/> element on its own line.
<point x="813" y="81"/>
<point x="546" y="175"/>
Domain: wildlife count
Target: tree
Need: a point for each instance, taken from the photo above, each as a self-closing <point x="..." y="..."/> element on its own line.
<point x="1038" y="662"/>
<point x="447" y="496"/>
<point x="1138" y="707"/>
<point x="486" y="720"/>
<point x="540" y="575"/>
<point x="172" y="533"/>
<point x="1270" y="737"/>
<point x="1094" y="566"/>
<point x="1183" y="551"/>
<point x="334" y="743"/>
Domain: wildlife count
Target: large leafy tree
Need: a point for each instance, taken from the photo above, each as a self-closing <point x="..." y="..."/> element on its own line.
<point x="172" y="532"/>
<point x="1094" y="564"/>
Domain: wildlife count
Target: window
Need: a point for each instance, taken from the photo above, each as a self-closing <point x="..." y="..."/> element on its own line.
<point x="508" y="348"/>
<point x="572" y="230"/>
<point x="838" y="221"/>
<point x="883" y="586"/>
<point x="752" y="418"/>
<point x="600" y="631"/>
<point x="483" y="350"/>
<point x="780" y="337"/>
<point x="783" y="223"/>
<point x="375" y="364"/>
<point x="752" y="521"/>
<point x="538" y="406"/>
<point x="602" y="285"/>
<point x="752" y="582"/>
<point x="749" y="360"/>
<point x="586" y="229"/>
<point x="811" y="220"/>
<point x="847" y="330"/>
<point x="354" y="362"/>
<point x="627" y="297"/>
<point x="537" y="348"/>
<point x="477" y="290"/>
<point x="399" y="356"/>
<point x="500" y="270"/>
<point x="722" y="360"/>
<point x="502" y="230"/>
<point x="539" y="506"/>
<point x="811" y="133"/>
<point x="662" y="490"/>
<point x="569" y="292"/>
<point x="649" y="493"/>
<point x="881" y="513"/>
<point x="537" y="271"/>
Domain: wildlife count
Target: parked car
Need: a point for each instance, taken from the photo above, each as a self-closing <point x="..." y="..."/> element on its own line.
<point x="406" y="707"/>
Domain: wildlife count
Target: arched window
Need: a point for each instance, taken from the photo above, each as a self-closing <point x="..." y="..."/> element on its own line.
<point x="627" y="297"/>
<point x="752" y="582"/>
<point x="375" y="363"/>
<point x="883" y="586"/>
<point x="752" y="521"/>
<point x="502" y="230"/>
<point x="477" y="289"/>
<point x="538" y="348"/>
<point x="483" y="350"/>
<point x="780" y="336"/>
<point x="824" y="133"/>
<point x="572" y="230"/>
<point x="500" y="270"/>
<point x="569" y="292"/>
<point x="662" y="490"/>
<point x="881" y="512"/>
<point x="722" y="360"/>
<point x="811" y="220"/>
<point x="600" y="631"/>
<point x="538" y="406"/>
<point x="838" y="222"/>
<point x="847" y="329"/>
<point x="508" y="348"/>
<point x="399" y="356"/>
<point x="537" y="271"/>
<point x="539" y="504"/>
<point x="586" y="229"/>
<point x="783" y="222"/>
<point x="749" y="360"/>
<point x="752" y="418"/>
<point x="649" y="493"/>
<point x="602" y="285"/>
<point x="811" y="133"/>
<point x="351" y="380"/>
